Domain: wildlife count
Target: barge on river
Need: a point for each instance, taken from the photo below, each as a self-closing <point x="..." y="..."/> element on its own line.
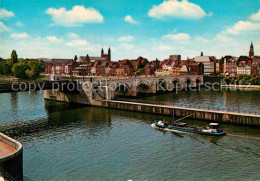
<point x="211" y="129"/>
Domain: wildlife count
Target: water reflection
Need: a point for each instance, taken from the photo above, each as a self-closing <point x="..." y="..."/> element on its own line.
<point x="237" y="101"/>
<point x="74" y="142"/>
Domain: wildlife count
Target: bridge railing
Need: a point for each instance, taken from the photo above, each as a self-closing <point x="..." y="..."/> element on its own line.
<point x="197" y="106"/>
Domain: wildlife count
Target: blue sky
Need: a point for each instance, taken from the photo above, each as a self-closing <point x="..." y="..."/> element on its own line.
<point x="150" y="28"/>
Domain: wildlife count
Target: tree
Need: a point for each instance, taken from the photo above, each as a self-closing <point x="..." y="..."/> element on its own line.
<point x="28" y="68"/>
<point x="19" y="70"/>
<point x="1" y="68"/>
<point x="6" y="69"/>
<point x="14" y="58"/>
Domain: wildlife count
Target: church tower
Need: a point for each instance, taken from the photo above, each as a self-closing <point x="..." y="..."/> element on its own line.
<point x="109" y="54"/>
<point x="251" y="51"/>
<point x="102" y="52"/>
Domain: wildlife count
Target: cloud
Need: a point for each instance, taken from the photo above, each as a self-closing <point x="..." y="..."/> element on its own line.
<point x="126" y="46"/>
<point x="257" y="48"/>
<point x="52" y="38"/>
<point x="6" y="14"/>
<point x="77" y="16"/>
<point x="201" y="39"/>
<point x="3" y="27"/>
<point x="72" y="35"/>
<point x="77" y="43"/>
<point x="178" y="9"/>
<point x="129" y="19"/>
<point x="162" y="47"/>
<point x="20" y="35"/>
<point x="242" y="26"/>
<point x="223" y="38"/>
<point x="255" y="17"/>
<point x="126" y="38"/>
<point x="19" y="24"/>
<point x="178" y="36"/>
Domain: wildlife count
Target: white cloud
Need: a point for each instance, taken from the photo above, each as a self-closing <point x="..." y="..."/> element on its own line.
<point x="126" y="38"/>
<point x="257" y="48"/>
<point x="201" y="39"/>
<point x="52" y="38"/>
<point x="256" y="16"/>
<point x="20" y="35"/>
<point x="242" y="26"/>
<point x="77" y="16"/>
<point x="72" y="35"/>
<point x="178" y="36"/>
<point x="178" y="9"/>
<point x="3" y="27"/>
<point x="6" y="14"/>
<point x="223" y="38"/>
<point x="19" y="24"/>
<point x="126" y="46"/>
<point x="130" y="19"/>
<point x="162" y="47"/>
<point x="77" y="43"/>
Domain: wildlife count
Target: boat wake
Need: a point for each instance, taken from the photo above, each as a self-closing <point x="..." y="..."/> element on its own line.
<point x="245" y="136"/>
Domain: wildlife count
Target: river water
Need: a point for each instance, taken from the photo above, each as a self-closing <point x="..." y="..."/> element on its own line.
<point x="73" y="142"/>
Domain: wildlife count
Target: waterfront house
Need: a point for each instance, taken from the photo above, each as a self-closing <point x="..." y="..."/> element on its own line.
<point x="125" y="68"/>
<point x="196" y="68"/>
<point x="210" y="65"/>
<point x="230" y="66"/>
<point x="255" y="66"/>
<point x="151" y="67"/>
<point x="244" y="65"/>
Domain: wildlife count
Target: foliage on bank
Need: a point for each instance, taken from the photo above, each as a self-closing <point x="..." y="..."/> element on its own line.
<point x="21" y="68"/>
<point x="243" y="80"/>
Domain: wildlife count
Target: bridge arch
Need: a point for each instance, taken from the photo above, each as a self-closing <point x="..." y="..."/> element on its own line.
<point x="143" y="87"/>
<point x="121" y="89"/>
<point x="176" y="83"/>
<point x="161" y="85"/>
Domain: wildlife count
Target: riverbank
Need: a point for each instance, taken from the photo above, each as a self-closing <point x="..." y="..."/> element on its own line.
<point x="5" y="78"/>
<point x="198" y="114"/>
<point x="10" y="79"/>
<point x="235" y="86"/>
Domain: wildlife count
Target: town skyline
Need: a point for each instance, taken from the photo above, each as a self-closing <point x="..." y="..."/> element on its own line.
<point x="156" y="30"/>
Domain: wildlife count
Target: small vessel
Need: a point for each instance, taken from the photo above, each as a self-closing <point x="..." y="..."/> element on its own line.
<point x="176" y="126"/>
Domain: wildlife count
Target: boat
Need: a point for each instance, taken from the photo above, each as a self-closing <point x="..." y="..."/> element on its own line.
<point x="176" y="126"/>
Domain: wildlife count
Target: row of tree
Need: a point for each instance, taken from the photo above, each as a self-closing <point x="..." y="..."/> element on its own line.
<point x="21" y="68"/>
<point x="243" y="80"/>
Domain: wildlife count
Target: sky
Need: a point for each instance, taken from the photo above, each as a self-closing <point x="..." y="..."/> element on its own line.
<point x="131" y="28"/>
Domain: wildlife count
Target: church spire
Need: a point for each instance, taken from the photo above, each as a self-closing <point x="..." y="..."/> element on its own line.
<point x="251" y="51"/>
<point x="102" y="52"/>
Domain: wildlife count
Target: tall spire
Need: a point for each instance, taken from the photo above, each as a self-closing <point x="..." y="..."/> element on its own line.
<point x="109" y="54"/>
<point x="251" y="50"/>
<point x="102" y="52"/>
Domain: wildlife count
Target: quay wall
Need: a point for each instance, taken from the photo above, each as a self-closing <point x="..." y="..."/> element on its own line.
<point x="11" y="166"/>
<point x="209" y="115"/>
<point x="89" y="98"/>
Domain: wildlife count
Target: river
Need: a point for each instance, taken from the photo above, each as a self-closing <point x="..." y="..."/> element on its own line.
<point x="73" y="142"/>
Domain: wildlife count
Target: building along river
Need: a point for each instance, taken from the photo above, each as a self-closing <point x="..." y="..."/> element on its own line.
<point x="73" y="142"/>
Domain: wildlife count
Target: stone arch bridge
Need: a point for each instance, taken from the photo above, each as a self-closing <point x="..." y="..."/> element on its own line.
<point x="134" y="85"/>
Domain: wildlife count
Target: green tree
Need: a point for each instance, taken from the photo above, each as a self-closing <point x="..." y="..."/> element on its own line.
<point x="14" y="58"/>
<point x="1" y="68"/>
<point x="6" y="69"/>
<point x="19" y="70"/>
